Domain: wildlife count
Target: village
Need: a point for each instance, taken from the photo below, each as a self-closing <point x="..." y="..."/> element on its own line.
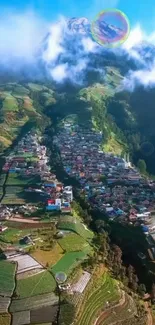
<point x="109" y="183"/>
<point x="43" y="239"/>
<point x="29" y="184"/>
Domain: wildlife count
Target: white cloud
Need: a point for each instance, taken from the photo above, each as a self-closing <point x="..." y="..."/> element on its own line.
<point x="135" y="37"/>
<point x="89" y="45"/>
<point x="20" y="36"/>
<point x="135" y="47"/>
<point x="145" y="77"/>
<point x="55" y="40"/>
<point x="59" y="73"/>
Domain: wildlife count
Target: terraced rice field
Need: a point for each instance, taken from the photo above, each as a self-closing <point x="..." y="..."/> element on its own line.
<point x="76" y="227"/>
<point x="123" y="312"/>
<point x="72" y="242"/>
<point x="7" y="278"/>
<point x="69" y="261"/>
<point x="35" y="302"/>
<point x="96" y="299"/>
<point x="36" y="285"/>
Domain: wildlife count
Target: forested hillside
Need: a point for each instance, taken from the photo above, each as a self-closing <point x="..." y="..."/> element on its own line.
<point x="126" y="119"/>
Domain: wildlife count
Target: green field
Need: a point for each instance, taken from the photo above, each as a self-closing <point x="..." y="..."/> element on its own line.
<point x="14" y="195"/>
<point x="13" y="235"/>
<point x="2" y="179"/>
<point x="7" y="277"/>
<point x="36" y="285"/>
<point x="73" y="242"/>
<point x="103" y="290"/>
<point x="15" y="179"/>
<point x="19" y="90"/>
<point x="69" y="261"/>
<point x="76" y="227"/>
<point x="36" y="87"/>
<point x="10" y="103"/>
<point x="33" y="302"/>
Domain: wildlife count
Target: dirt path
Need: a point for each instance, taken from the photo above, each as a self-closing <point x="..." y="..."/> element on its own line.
<point x="102" y="316"/>
<point x="23" y="220"/>
<point x="149" y="316"/>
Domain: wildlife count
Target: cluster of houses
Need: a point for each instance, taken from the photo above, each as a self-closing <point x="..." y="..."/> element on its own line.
<point x="110" y="183"/>
<point x="28" y="158"/>
<point x="28" y="162"/>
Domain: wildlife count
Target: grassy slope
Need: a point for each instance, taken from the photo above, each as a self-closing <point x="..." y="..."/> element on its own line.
<point x="68" y="262"/>
<point x="102" y="288"/>
<point x="17" y="107"/>
<point x="98" y="92"/>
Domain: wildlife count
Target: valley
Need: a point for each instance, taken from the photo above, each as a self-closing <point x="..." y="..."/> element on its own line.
<point x="77" y="172"/>
<point x="72" y="204"/>
<point x="46" y="232"/>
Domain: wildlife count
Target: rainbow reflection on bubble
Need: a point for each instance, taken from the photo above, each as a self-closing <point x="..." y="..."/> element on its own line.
<point x="110" y="28"/>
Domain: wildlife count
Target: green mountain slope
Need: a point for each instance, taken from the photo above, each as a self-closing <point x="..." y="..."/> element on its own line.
<point x="20" y="104"/>
<point x="126" y="119"/>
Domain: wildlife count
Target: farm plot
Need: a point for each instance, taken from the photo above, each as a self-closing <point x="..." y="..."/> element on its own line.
<point x="76" y="227"/>
<point x="44" y="314"/>
<point x="25" y="263"/>
<point x="72" y="242"/>
<point x="14" y="195"/>
<point x="16" y="179"/>
<point x="4" y="304"/>
<point x="21" y="318"/>
<point x="10" y="103"/>
<point x="69" y="261"/>
<point x="95" y="300"/>
<point x="122" y="312"/>
<point x="36" y="87"/>
<point x="35" y="302"/>
<point x="2" y="179"/>
<point x="19" y="90"/>
<point x="13" y="235"/>
<point x="82" y="283"/>
<point x="7" y="278"/>
<point x="51" y="257"/>
<point x="5" y="319"/>
<point x="37" y="284"/>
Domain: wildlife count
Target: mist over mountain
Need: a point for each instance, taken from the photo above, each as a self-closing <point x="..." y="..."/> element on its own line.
<point x="65" y="51"/>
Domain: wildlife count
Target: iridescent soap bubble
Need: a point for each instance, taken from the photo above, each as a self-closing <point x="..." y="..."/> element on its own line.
<point x="147" y="148"/>
<point x="110" y="28"/>
<point x="61" y="277"/>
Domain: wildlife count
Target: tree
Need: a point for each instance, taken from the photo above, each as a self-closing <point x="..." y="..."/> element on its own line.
<point x="141" y="166"/>
<point x="142" y="289"/>
<point x="153" y="292"/>
<point x="100" y="224"/>
<point x="130" y="272"/>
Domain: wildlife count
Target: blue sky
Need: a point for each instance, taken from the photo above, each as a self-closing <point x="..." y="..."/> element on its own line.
<point x="142" y="11"/>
